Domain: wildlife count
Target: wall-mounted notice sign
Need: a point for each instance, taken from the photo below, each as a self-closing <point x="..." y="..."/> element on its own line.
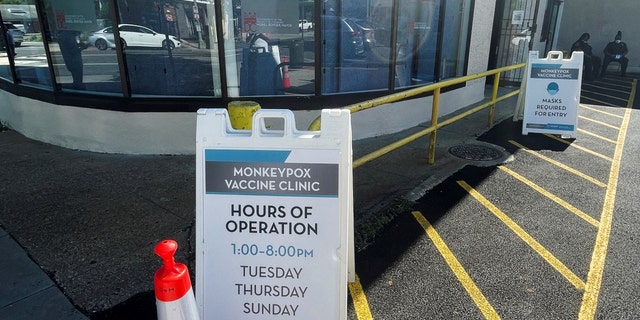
<point x="552" y="94"/>
<point x="272" y="217"/>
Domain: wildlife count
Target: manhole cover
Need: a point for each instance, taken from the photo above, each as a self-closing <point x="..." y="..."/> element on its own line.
<point x="476" y="152"/>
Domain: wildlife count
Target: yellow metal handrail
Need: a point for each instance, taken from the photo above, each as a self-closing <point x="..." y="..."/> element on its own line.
<point x="435" y="87"/>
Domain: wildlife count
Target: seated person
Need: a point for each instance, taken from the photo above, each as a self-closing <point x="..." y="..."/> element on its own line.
<point x="591" y="62"/>
<point x="616" y="51"/>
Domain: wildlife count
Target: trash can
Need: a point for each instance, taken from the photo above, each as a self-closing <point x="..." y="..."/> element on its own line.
<point x="296" y="50"/>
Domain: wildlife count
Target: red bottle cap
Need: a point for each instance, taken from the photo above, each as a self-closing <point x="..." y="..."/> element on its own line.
<point x="172" y="280"/>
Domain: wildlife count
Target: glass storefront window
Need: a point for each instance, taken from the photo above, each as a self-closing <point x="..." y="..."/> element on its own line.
<point x="169" y="48"/>
<point x="271" y="52"/>
<point x="276" y="48"/>
<point x="27" y="47"/>
<point x="417" y="39"/>
<point x="7" y="49"/>
<point x="78" y="64"/>
<point x="355" y="53"/>
<point x="456" y="31"/>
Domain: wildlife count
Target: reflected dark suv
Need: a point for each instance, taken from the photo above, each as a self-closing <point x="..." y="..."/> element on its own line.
<point x="341" y="30"/>
<point x="367" y="32"/>
<point x="18" y="35"/>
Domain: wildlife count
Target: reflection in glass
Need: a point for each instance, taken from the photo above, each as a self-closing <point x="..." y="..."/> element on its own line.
<point x="169" y="48"/>
<point x="456" y="31"/>
<point x="77" y="64"/>
<point x="271" y="50"/>
<point x="354" y="56"/>
<point x="417" y="40"/>
<point x="29" y="59"/>
<point x="6" y="52"/>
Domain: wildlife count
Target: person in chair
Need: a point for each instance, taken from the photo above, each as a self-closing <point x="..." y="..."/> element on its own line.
<point x="616" y="51"/>
<point x="591" y="62"/>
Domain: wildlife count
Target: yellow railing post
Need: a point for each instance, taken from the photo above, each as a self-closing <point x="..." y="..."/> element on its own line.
<point x="435" y="110"/>
<point x="494" y="96"/>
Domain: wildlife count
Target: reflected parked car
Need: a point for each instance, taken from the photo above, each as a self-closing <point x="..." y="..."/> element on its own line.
<point x="367" y="31"/>
<point x="342" y="30"/>
<point x="304" y="25"/>
<point x="18" y="35"/>
<point x="132" y="35"/>
<point x="20" y="27"/>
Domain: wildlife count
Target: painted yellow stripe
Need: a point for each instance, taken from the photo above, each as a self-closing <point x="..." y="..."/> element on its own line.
<point x="561" y="165"/>
<point x="600" y="102"/>
<point x="632" y="95"/>
<point x="601" y="111"/>
<point x="528" y="239"/>
<point x="573" y="145"/>
<point x="360" y="303"/>
<point x="596" y="268"/>
<point x="625" y="91"/>
<point x="613" y="82"/>
<point x="596" y="136"/>
<point x="605" y="95"/>
<point x="457" y="268"/>
<point x="551" y="196"/>
<point x="599" y="122"/>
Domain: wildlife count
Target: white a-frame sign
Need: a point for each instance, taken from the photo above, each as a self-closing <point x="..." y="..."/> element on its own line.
<point x="552" y="94"/>
<point x="273" y="222"/>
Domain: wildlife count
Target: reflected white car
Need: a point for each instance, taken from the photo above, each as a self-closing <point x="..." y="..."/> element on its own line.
<point x="132" y="35"/>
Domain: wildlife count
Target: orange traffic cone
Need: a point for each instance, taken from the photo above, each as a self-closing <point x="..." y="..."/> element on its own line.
<point x="286" y="82"/>
<point x="174" y="295"/>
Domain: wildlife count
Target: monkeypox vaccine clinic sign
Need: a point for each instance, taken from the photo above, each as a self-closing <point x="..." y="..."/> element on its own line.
<point x="272" y="217"/>
<point x="552" y="94"/>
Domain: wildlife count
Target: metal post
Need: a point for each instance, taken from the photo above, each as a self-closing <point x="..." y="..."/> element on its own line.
<point x="434" y="123"/>
<point x="494" y="96"/>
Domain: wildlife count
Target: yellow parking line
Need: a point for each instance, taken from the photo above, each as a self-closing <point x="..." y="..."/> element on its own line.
<point x="528" y="239"/>
<point x="611" y="82"/>
<point x="573" y="145"/>
<point x="596" y="136"/>
<point x="561" y="165"/>
<point x="359" y="299"/>
<point x="457" y="268"/>
<point x="551" y="196"/>
<point x="599" y="122"/>
<point x="600" y="102"/>
<point x="606" y="95"/>
<point x="610" y="90"/>
<point x="596" y="268"/>
<point x="632" y="94"/>
<point x="601" y="111"/>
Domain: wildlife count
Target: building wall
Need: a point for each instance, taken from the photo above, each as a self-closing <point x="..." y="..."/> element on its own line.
<point x="100" y="130"/>
<point x="602" y="19"/>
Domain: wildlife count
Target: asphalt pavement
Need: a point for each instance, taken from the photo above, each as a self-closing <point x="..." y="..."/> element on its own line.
<point x="549" y="233"/>
<point x="79" y="228"/>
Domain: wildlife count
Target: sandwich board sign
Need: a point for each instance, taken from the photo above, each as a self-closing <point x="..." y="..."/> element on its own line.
<point x="272" y="217"/>
<point x="552" y="94"/>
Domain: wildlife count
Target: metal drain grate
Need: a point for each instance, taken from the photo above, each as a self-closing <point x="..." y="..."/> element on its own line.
<point x="476" y="152"/>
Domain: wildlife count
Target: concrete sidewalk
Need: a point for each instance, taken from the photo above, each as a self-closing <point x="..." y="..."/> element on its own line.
<point x="78" y="228"/>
